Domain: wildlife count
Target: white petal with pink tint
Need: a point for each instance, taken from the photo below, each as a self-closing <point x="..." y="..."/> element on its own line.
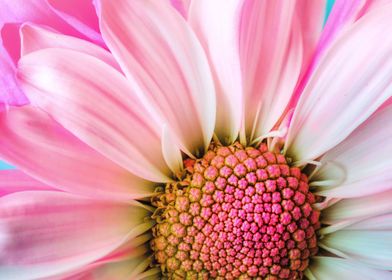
<point x="270" y="46"/>
<point x="34" y="38"/>
<point x="351" y="82"/>
<point x="327" y="268"/>
<point x="13" y="180"/>
<point x="97" y="104"/>
<point x="365" y="157"/>
<point x="218" y="31"/>
<point x="372" y="247"/>
<point x="171" y="152"/>
<point x="158" y="51"/>
<point x="46" y="233"/>
<point x="35" y="143"/>
<point x="359" y="208"/>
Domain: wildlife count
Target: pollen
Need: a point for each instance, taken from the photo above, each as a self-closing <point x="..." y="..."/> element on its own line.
<point x="238" y="213"/>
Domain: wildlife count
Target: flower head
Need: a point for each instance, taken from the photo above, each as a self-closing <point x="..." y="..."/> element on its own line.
<point x="196" y="140"/>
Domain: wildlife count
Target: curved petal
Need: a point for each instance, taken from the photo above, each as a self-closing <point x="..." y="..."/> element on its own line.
<point x="373" y="247"/>
<point x="104" y="113"/>
<point x="355" y="88"/>
<point x="271" y="50"/>
<point x="34" y="38"/>
<point x="343" y="15"/>
<point x="217" y="29"/>
<point x="13" y="180"/>
<point x="326" y="268"/>
<point x="39" y="146"/>
<point x="81" y="15"/>
<point x="158" y="51"/>
<point x="359" y="208"/>
<point x="366" y="158"/>
<point x="182" y="6"/>
<point x="171" y="152"/>
<point x="47" y="233"/>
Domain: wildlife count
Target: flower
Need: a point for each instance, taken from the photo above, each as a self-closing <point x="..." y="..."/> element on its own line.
<point x="196" y="139"/>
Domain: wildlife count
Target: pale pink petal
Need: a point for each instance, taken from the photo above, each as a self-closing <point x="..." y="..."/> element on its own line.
<point x="217" y="25"/>
<point x="372" y="247"/>
<point x="182" y="6"/>
<point x="45" y="233"/>
<point x="13" y="180"/>
<point x="343" y="15"/>
<point x="171" y="152"/>
<point x="97" y="104"/>
<point x="357" y="209"/>
<point x="34" y="38"/>
<point x="311" y="16"/>
<point x="10" y="93"/>
<point x="81" y="15"/>
<point x="351" y="82"/>
<point x="35" y="143"/>
<point x="365" y="158"/>
<point x="159" y="52"/>
<point x="382" y="222"/>
<point x="327" y="268"/>
<point x="130" y="252"/>
<point x="12" y="14"/>
<point x="132" y="269"/>
<point x="271" y="51"/>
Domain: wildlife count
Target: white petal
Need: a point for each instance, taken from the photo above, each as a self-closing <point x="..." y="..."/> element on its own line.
<point x="171" y="152"/>
<point x="327" y="268"/>
<point x="358" y="208"/>
<point x="365" y="157"/>
<point x="350" y="83"/>
<point x="372" y="247"/>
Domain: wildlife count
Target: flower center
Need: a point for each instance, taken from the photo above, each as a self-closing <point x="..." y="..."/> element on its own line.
<point x="238" y="213"/>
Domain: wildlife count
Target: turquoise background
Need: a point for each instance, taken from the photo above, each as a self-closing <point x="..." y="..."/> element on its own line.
<point x="4" y="165"/>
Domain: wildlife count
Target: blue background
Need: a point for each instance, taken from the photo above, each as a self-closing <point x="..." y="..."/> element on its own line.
<point x="4" y="165"/>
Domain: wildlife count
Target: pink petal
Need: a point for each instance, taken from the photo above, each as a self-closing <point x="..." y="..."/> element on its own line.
<point x="359" y="208"/>
<point x="39" y="146"/>
<point x="16" y="12"/>
<point x="158" y="51"/>
<point x="171" y="152"/>
<point x="81" y="15"/>
<point x="182" y="6"/>
<point x="104" y="112"/>
<point x="352" y="81"/>
<point x="34" y="38"/>
<point x="218" y="32"/>
<point x="16" y="181"/>
<point x="271" y="53"/>
<point x="343" y="15"/>
<point x="10" y="92"/>
<point x="365" y="157"/>
<point x="46" y="233"/>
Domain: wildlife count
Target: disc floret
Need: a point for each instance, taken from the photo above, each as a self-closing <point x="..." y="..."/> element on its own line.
<point x="239" y="213"/>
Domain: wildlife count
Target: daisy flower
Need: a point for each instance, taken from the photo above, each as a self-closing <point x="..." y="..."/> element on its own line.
<point x="224" y="139"/>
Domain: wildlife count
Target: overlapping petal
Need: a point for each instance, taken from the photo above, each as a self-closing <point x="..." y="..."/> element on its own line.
<point x="364" y="158"/>
<point x="97" y="104"/>
<point x="257" y="50"/>
<point x="13" y="180"/>
<point x="35" y="143"/>
<point x="333" y="104"/>
<point x="44" y="233"/>
<point x="35" y="37"/>
<point x="158" y="51"/>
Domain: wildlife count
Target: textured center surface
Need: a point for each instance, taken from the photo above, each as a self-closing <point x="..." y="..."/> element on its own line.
<point x="239" y="213"/>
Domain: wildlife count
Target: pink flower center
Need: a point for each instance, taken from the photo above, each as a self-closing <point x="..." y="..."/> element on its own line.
<point x="238" y="213"/>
